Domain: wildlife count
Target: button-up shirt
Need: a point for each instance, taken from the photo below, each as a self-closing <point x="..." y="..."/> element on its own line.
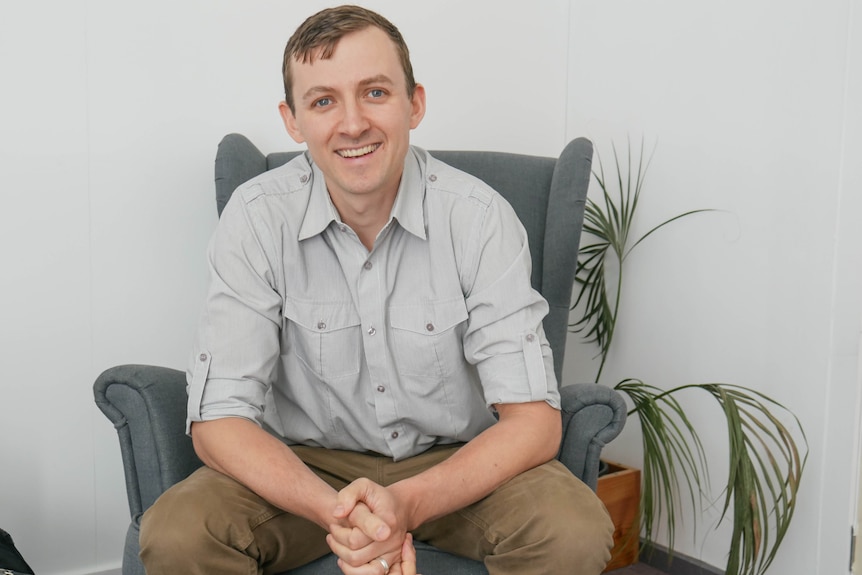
<point x="410" y="345"/>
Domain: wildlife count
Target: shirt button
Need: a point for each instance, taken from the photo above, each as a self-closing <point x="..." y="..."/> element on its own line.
<point x="321" y="324"/>
<point x="394" y="435"/>
<point x="530" y="337"/>
<point x="371" y="330"/>
<point x="432" y="178"/>
<point x="303" y="178"/>
<point x="368" y="265"/>
<point x="429" y="326"/>
<point x="381" y="388"/>
<point x="203" y="357"/>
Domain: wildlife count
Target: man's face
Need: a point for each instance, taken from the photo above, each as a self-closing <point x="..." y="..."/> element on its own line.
<point x="353" y="112"/>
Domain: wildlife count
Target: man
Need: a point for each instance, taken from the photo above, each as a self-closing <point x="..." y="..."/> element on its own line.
<point x="369" y="309"/>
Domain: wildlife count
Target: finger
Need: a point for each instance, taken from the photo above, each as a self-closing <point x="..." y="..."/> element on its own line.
<point x="348" y="534"/>
<point x="351" y="537"/>
<point x="347" y="498"/>
<point x="359" y="491"/>
<point x="371" y="524"/>
<point x="408" y="556"/>
<point x="359" y="557"/>
<point x="375" y="566"/>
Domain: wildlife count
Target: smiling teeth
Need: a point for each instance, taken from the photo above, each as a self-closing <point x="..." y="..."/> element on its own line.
<point x="355" y="153"/>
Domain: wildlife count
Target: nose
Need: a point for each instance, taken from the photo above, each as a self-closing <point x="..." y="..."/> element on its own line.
<point x="354" y="122"/>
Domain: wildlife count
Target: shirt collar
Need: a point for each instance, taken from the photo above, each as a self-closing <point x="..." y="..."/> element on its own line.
<point x="320" y="211"/>
<point x="408" y="209"/>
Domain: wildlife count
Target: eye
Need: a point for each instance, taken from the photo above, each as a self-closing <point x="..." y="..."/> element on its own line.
<point x="377" y="93"/>
<point x="322" y="103"/>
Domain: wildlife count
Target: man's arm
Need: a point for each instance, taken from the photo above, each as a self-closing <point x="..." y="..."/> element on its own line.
<point x="243" y="451"/>
<point x="527" y="435"/>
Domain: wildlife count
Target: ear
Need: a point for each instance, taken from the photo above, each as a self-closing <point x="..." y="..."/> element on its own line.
<point x="290" y="122"/>
<point x="417" y="104"/>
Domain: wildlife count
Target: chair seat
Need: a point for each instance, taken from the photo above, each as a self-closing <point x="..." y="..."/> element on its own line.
<point x="429" y="561"/>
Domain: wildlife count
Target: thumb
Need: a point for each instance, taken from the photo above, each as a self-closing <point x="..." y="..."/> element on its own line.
<point x="345" y="502"/>
<point x="408" y="556"/>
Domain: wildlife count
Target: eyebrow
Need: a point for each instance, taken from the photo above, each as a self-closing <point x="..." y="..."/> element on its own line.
<point x="316" y="90"/>
<point x="378" y="79"/>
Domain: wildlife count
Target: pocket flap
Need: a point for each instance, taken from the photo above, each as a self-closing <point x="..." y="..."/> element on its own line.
<point x="428" y="318"/>
<point x="322" y="317"/>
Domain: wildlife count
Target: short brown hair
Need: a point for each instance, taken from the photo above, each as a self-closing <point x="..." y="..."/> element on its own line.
<point x="318" y="36"/>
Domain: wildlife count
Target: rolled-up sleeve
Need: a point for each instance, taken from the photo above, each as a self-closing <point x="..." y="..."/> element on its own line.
<point x="234" y="359"/>
<point x="504" y="337"/>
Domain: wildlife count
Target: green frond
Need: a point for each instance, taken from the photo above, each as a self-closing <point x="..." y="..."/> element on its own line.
<point x="672" y="450"/>
<point x="661" y="225"/>
<point x="609" y="223"/>
<point x="765" y="463"/>
<point x="764" y="470"/>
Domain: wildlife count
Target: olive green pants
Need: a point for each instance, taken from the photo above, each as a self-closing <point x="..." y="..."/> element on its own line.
<point x="542" y="521"/>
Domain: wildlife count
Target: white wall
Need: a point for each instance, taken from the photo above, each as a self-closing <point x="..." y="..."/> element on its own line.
<point x="753" y="108"/>
<point x="111" y="110"/>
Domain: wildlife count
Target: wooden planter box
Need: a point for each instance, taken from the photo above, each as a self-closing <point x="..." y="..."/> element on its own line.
<point x="620" y="491"/>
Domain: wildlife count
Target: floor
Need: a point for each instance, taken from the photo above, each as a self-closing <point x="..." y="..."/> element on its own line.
<point x="636" y="569"/>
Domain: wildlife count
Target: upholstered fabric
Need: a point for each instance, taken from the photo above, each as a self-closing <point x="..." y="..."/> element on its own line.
<point x="147" y="404"/>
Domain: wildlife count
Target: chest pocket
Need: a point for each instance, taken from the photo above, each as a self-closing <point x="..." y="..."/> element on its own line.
<point x="427" y="337"/>
<point x="323" y="336"/>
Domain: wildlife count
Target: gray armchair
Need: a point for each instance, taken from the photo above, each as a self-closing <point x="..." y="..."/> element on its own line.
<point x="147" y="404"/>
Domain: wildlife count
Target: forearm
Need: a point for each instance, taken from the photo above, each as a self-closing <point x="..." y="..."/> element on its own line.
<point x="240" y="449"/>
<point x="526" y="436"/>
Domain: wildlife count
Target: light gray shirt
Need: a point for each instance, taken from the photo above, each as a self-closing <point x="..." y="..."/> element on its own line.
<point x="324" y="343"/>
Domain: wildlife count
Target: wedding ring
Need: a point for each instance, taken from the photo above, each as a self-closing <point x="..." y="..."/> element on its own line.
<point x="385" y="565"/>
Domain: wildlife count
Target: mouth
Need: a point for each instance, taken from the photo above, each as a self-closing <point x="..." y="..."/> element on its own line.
<point x="357" y="152"/>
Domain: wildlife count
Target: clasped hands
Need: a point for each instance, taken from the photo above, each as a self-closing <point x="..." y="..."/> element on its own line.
<point x="370" y="524"/>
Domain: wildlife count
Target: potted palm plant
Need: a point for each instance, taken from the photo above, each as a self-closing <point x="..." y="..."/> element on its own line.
<point x="767" y="456"/>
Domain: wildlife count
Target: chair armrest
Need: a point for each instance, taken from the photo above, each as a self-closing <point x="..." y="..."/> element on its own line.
<point x="592" y="416"/>
<point x="147" y="406"/>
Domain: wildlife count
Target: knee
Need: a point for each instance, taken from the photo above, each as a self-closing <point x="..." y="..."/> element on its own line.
<point x="585" y="537"/>
<point x="564" y="526"/>
<point x="169" y="529"/>
<point x="575" y="528"/>
<point x="189" y="520"/>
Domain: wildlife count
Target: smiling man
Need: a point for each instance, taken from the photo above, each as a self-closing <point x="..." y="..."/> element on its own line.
<point x="369" y="312"/>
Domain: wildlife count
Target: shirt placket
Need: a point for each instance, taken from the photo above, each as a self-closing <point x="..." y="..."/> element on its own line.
<point x="371" y="292"/>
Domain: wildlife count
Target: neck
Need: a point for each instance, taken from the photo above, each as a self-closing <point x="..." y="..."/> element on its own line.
<point x="366" y="215"/>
